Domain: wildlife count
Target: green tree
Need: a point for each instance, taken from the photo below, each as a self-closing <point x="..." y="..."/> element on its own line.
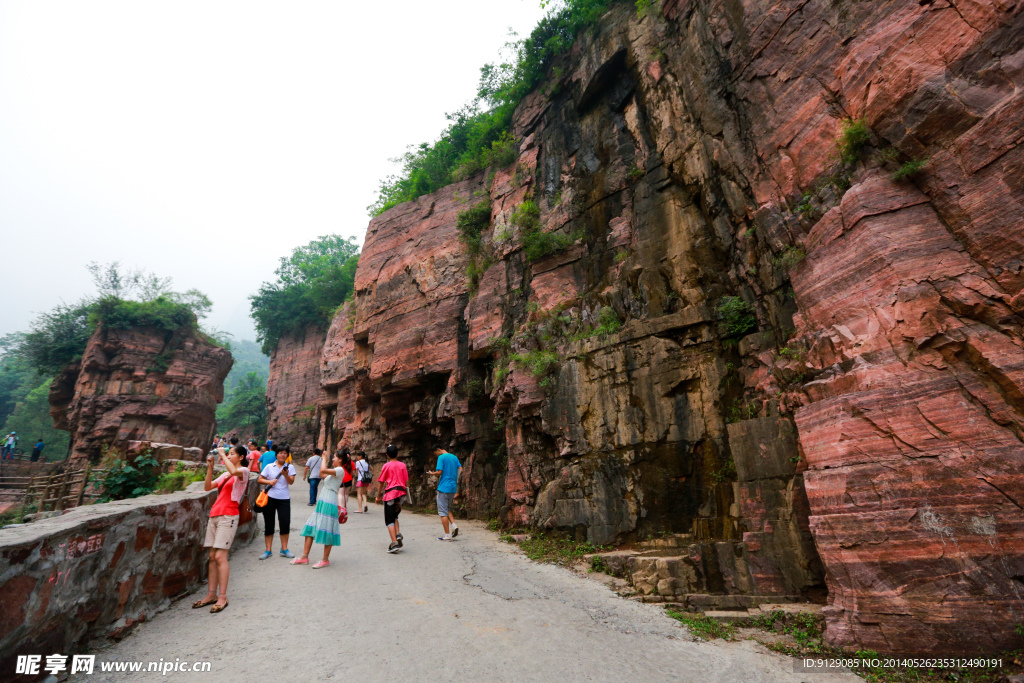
<point x="245" y="408"/>
<point x="311" y="284"/>
<point x="59" y="336"/>
<point x="17" y="377"/>
<point x="479" y="133"/>
<point x="31" y="419"/>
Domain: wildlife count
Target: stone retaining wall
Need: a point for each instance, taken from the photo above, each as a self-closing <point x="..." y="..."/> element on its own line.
<point x="99" y="570"/>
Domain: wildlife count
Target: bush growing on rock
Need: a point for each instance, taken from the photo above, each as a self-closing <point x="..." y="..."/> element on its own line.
<point x="737" y="316"/>
<point x="478" y="135"/>
<point x="854" y="137"/>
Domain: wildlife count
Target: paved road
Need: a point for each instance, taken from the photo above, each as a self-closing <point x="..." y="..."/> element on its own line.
<point x="474" y="609"/>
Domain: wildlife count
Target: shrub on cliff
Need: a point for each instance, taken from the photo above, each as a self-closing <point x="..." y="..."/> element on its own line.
<point x="737" y="316"/>
<point x="479" y="135"/>
<point x="125" y="299"/>
<point x="536" y="242"/>
<point x="311" y="284"/>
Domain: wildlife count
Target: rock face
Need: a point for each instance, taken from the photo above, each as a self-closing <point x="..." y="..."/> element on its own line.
<point x="118" y="392"/>
<point x="860" y="416"/>
<point x="293" y="391"/>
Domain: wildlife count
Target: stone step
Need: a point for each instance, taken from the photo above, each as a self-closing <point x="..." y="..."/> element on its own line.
<point x="672" y="541"/>
<point x="709" y="601"/>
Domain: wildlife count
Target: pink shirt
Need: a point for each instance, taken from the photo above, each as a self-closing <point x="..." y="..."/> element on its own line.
<point x="231" y="491"/>
<point x="394" y="473"/>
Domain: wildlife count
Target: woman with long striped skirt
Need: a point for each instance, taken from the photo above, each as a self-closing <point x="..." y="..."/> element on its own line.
<point x="322" y="526"/>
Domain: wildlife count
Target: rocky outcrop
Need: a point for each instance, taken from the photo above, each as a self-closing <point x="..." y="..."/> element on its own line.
<point x="769" y="301"/>
<point x="140" y="385"/>
<point x="293" y="391"/>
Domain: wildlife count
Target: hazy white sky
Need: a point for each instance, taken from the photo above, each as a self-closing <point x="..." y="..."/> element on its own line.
<point x="204" y="140"/>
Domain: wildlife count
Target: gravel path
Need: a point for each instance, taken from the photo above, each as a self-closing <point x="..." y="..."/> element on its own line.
<point x="472" y="609"/>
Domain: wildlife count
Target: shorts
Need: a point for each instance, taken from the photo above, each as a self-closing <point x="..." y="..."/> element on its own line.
<point x="392" y="508"/>
<point x="346" y="484"/>
<point x="220" y="531"/>
<point x="444" y="503"/>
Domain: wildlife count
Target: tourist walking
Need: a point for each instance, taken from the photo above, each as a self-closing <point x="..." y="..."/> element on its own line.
<point x="254" y="457"/>
<point x="323" y="526"/>
<point x="363" y="480"/>
<point x="223" y="524"/>
<point x="10" y="441"/>
<point x="448" y="468"/>
<point x="37" y="450"/>
<point x="268" y="456"/>
<point x="312" y="474"/>
<point x="348" y="472"/>
<point x="394" y="480"/>
<point x="280" y="475"/>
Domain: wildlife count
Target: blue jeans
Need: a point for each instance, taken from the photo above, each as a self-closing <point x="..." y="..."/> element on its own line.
<point x="313" y="483"/>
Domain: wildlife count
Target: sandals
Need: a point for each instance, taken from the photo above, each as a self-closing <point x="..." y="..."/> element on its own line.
<point x="219" y="608"/>
<point x="203" y="603"/>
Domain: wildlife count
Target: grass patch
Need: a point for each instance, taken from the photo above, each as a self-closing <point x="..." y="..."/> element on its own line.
<point x="471" y="224"/>
<point x="536" y="243"/>
<point x="852" y="140"/>
<point x="16" y="515"/>
<point x="563" y="552"/>
<point x="909" y="169"/>
<point x="539" y="363"/>
<point x="703" y="627"/>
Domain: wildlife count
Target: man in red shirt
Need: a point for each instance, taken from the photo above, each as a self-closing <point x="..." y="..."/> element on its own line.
<point x="394" y="480"/>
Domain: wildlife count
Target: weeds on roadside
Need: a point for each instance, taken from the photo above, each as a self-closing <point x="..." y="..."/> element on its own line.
<point x="703" y="627"/>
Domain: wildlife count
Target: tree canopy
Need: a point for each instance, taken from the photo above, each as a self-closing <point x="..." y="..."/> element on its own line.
<point x="479" y="134"/>
<point x="310" y="285"/>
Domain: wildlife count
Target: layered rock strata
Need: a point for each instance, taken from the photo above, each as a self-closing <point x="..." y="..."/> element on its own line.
<point x="769" y="300"/>
<point x="293" y="390"/>
<point x="138" y="385"/>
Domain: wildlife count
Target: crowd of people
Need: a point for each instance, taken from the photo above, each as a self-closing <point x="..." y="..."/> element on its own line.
<point x="329" y="485"/>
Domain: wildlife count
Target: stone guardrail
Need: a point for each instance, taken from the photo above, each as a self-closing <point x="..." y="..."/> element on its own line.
<point x="99" y="570"/>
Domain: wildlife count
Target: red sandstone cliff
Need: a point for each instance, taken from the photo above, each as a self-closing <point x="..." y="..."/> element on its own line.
<point x="293" y="391"/>
<point x="875" y="419"/>
<point x="117" y="393"/>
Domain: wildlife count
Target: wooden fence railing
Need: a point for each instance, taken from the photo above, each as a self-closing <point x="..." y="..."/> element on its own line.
<point x="58" y="491"/>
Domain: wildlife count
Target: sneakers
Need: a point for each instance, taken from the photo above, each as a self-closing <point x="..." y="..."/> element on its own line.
<point x="393" y="548"/>
<point x="265" y="555"/>
<point x="321" y="564"/>
<point x="446" y="537"/>
<point x="300" y="560"/>
<point x="287" y="553"/>
<point x="455" y="531"/>
<point x="399" y="538"/>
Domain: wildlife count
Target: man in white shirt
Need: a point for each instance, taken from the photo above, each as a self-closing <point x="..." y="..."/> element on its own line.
<point x="312" y="474"/>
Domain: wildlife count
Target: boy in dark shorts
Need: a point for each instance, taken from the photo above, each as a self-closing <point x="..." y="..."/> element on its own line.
<point x="394" y="480"/>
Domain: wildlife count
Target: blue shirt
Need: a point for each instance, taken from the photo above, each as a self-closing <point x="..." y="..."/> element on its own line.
<point x="267" y="458"/>
<point x="449" y="466"/>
